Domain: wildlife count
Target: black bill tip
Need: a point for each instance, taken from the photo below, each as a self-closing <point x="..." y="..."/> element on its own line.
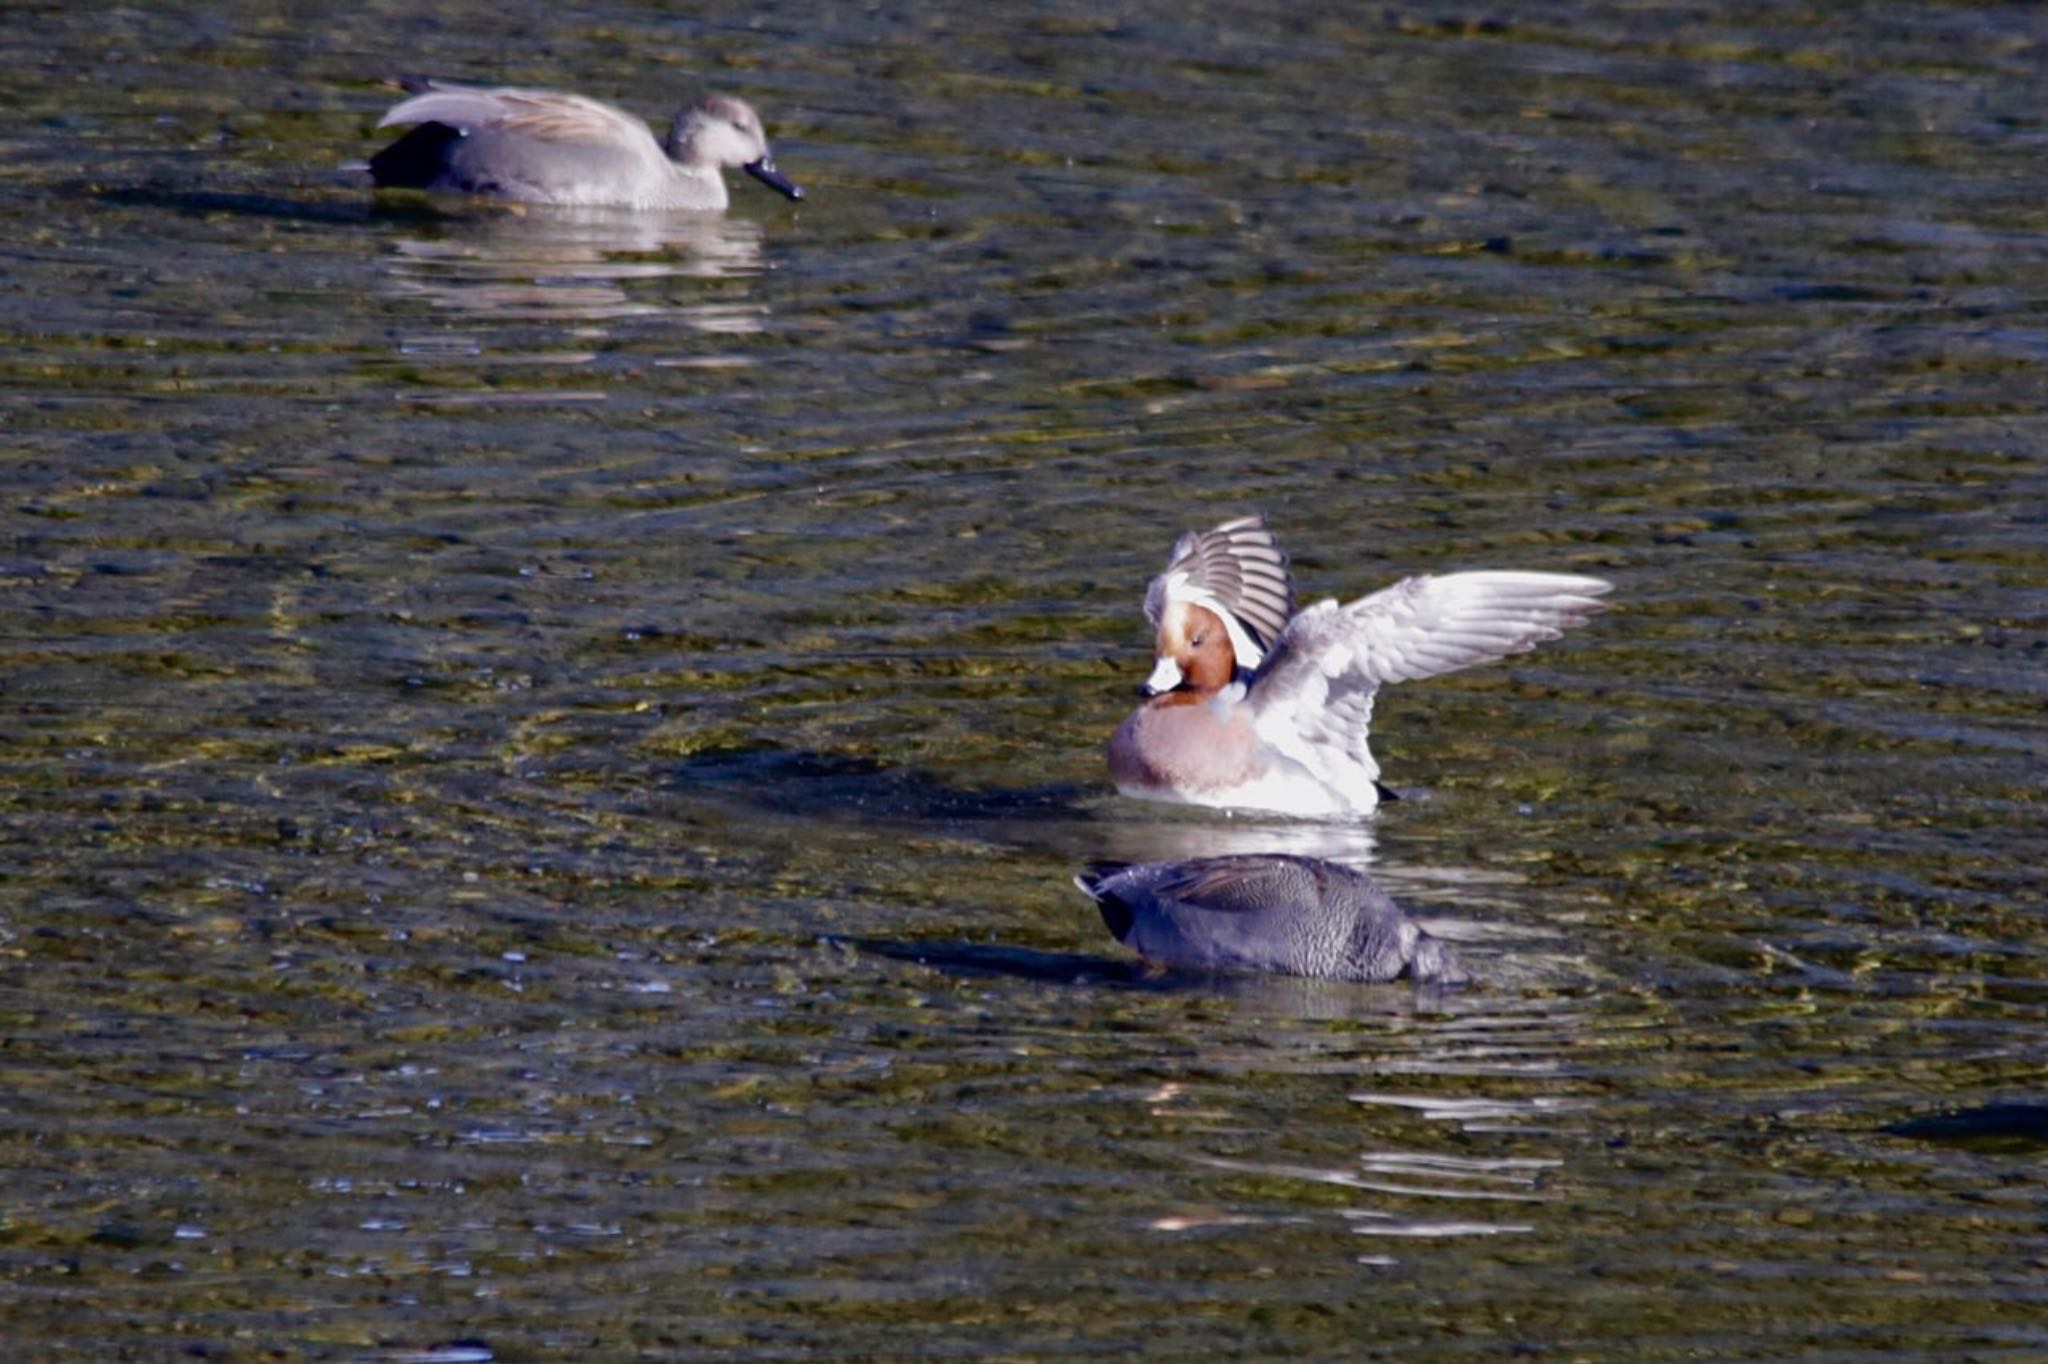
<point x="764" y="171"/>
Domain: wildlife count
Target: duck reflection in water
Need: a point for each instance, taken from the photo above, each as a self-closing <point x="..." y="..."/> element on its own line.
<point x="1119" y="832"/>
<point x="1277" y="912"/>
<point x="583" y="265"/>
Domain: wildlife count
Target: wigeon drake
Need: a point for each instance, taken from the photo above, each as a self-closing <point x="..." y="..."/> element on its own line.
<point x="1253" y="706"/>
<point x="546" y="147"/>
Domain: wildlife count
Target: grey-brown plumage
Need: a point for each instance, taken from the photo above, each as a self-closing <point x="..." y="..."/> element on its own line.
<point x="550" y="147"/>
<point x="1300" y="916"/>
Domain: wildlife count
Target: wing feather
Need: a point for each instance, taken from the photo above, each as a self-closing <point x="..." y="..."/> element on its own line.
<point x="1312" y="699"/>
<point x="1236" y="569"/>
<point x="543" y="115"/>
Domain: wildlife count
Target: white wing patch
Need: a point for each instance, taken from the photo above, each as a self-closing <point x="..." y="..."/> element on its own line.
<point x="1312" y="701"/>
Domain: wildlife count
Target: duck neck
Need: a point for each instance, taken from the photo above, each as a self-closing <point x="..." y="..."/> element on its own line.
<point x="694" y="187"/>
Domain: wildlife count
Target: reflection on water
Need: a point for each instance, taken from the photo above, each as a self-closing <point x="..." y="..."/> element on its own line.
<point x="1495" y="1072"/>
<point x="568" y="265"/>
<point x="1142" y="831"/>
<point x="1476" y="1114"/>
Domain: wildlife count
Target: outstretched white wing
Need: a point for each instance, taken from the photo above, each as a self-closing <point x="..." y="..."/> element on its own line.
<point x="1312" y="701"/>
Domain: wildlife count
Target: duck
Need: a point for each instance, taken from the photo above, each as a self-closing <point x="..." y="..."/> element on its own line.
<point x="1252" y="705"/>
<point x="548" y="147"/>
<point x="1275" y="912"/>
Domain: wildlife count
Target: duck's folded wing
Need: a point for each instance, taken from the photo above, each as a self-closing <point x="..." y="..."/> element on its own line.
<point x="1313" y="698"/>
<point x="1244" y="884"/>
<point x="1272" y="912"/>
<point x="543" y="115"/>
<point x="1229" y="912"/>
<point x="1237" y="570"/>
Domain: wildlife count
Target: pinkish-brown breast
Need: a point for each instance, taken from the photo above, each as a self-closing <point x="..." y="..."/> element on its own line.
<point x="1184" y="749"/>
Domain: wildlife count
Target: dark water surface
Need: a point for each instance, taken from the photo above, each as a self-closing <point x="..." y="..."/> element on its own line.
<point x="543" y="754"/>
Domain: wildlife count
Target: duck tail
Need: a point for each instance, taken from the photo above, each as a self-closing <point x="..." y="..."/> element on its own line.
<point x="1116" y="915"/>
<point x="415" y="160"/>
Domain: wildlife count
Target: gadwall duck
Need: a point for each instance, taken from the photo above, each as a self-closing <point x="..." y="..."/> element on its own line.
<point x="545" y="147"/>
<point x="1253" y="706"/>
<point x="1301" y="916"/>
